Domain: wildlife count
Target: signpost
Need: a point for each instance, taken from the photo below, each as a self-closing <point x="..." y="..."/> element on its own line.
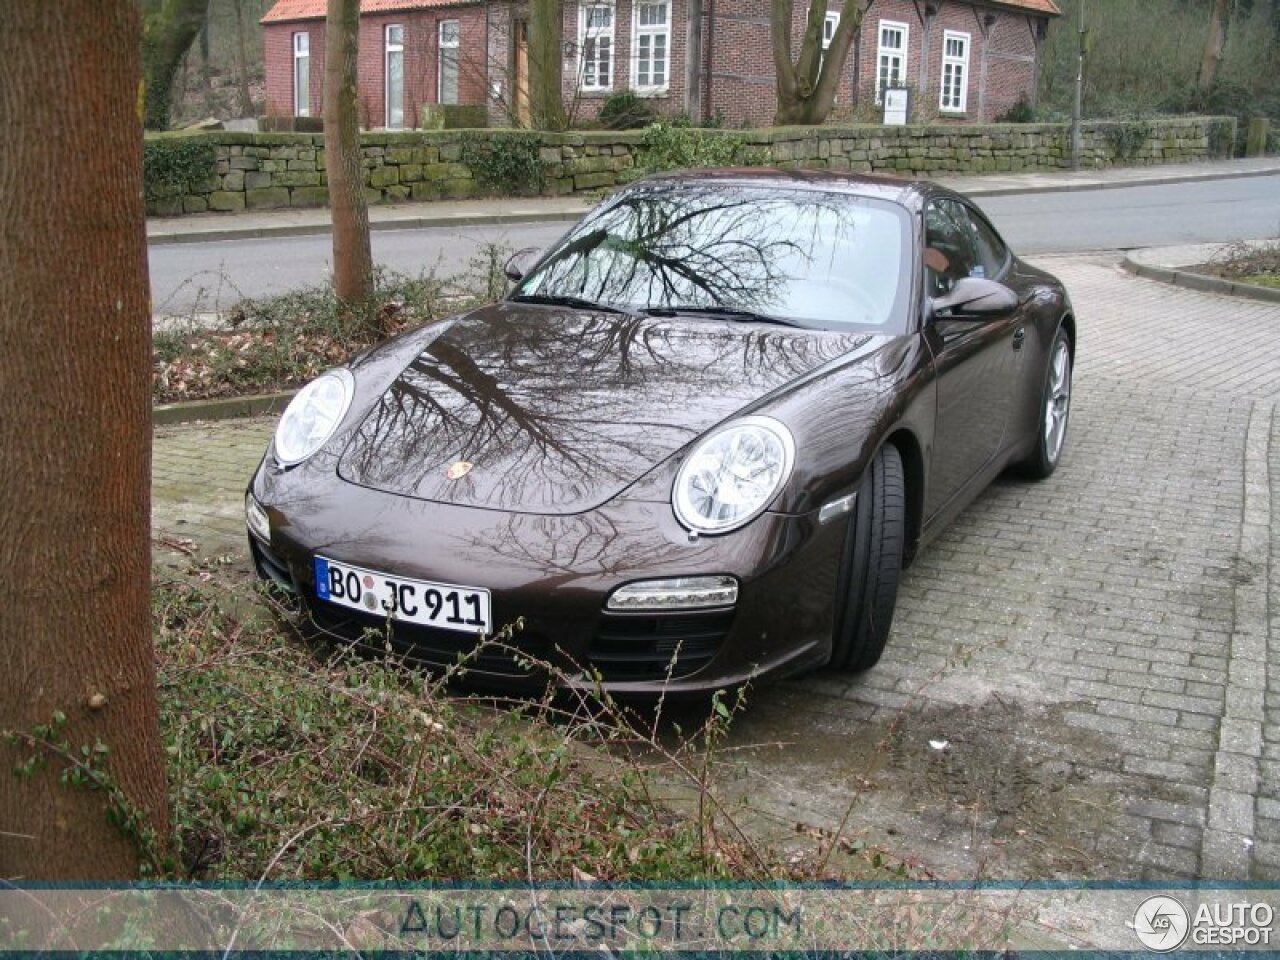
<point x="897" y="106"/>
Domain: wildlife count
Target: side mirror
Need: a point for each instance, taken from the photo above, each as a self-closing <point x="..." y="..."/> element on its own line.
<point x="520" y="262"/>
<point x="973" y="297"/>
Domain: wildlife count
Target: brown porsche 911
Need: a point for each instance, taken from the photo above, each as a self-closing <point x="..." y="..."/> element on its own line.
<point x="696" y="444"/>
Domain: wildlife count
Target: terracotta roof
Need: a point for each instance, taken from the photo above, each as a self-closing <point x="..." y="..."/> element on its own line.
<point x="286" y="10"/>
<point x="1038" y="6"/>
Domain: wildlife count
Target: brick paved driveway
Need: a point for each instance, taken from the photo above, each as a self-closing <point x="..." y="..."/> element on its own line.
<point x="1079" y="681"/>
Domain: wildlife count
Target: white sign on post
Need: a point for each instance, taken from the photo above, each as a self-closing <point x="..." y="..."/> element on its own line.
<point x="897" y="106"/>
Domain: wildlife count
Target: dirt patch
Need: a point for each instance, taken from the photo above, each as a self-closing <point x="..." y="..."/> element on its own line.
<point x="994" y="790"/>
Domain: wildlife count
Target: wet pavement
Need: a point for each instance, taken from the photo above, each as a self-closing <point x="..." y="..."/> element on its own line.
<point x="1080" y="681"/>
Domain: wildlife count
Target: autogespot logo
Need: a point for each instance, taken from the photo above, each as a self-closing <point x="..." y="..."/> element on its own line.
<point x="1161" y="923"/>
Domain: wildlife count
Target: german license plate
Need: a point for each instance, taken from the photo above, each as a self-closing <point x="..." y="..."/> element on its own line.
<point x="442" y="605"/>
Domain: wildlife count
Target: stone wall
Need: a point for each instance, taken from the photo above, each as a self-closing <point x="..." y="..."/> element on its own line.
<point x="266" y="171"/>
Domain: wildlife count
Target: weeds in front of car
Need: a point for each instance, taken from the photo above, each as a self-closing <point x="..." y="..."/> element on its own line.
<point x="280" y="342"/>
<point x="292" y="758"/>
<point x="1249" y="262"/>
<point x="290" y="761"/>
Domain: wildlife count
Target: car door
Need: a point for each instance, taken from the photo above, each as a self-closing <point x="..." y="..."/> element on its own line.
<point x="976" y="360"/>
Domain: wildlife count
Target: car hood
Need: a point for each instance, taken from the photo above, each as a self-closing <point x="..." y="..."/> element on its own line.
<point x="533" y="409"/>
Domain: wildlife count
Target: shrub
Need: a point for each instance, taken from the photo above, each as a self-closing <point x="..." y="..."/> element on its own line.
<point x="1020" y="112"/>
<point x="172" y="166"/>
<point x="1126" y="138"/>
<point x="506" y="162"/>
<point x="668" y="146"/>
<point x="623" y="110"/>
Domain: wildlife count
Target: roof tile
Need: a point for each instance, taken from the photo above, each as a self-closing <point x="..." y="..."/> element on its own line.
<point x="286" y="10"/>
<point x="1039" y="6"/>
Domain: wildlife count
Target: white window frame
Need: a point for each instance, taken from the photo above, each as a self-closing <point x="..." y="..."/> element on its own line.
<point x="441" y="46"/>
<point x="584" y="12"/>
<point x="959" y="65"/>
<point x="388" y="49"/>
<point x="902" y="53"/>
<point x="301" y="91"/>
<point x="829" y="24"/>
<point x="652" y="31"/>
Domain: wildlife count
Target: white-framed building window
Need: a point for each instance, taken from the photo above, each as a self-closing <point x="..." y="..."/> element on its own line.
<point x="955" y="72"/>
<point x="394" y="34"/>
<point x="448" y="79"/>
<point x="302" y="74"/>
<point x="653" y="45"/>
<point x="829" y="24"/>
<point x="891" y="56"/>
<point x="595" y="43"/>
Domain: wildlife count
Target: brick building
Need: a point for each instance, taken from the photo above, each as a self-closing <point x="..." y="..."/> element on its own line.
<point x="966" y="60"/>
<point x="412" y="53"/>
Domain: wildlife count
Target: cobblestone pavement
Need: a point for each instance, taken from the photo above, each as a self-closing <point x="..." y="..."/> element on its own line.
<point x="199" y="472"/>
<point x="1079" y="681"/>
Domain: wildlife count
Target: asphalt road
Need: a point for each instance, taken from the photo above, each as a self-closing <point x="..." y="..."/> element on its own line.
<point x="199" y="277"/>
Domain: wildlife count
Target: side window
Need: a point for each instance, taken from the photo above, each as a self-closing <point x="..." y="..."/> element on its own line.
<point x="993" y="255"/>
<point x="949" y="246"/>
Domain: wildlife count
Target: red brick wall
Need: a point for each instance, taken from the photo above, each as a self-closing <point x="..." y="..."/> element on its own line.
<point x="277" y="39"/>
<point x="743" y="84"/>
<point x="1001" y="60"/>
<point x="421" y="64"/>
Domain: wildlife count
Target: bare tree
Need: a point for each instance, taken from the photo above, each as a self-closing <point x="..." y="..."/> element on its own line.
<point x="75" y="627"/>
<point x="242" y="61"/>
<point x="807" y="87"/>
<point x="168" y="29"/>
<point x="546" y="101"/>
<point x="1214" y="43"/>
<point x="352" y="256"/>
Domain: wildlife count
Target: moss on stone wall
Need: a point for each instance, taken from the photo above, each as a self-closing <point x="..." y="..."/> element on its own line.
<point x="270" y="170"/>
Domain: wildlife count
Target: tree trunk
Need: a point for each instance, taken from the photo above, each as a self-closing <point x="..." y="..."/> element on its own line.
<point x="352" y="257"/>
<point x="242" y="62"/>
<point x="805" y="92"/>
<point x="693" y="61"/>
<point x="1215" y="43"/>
<point x="75" y="527"/>
<point x="168" y="29"/>
<point x="546" y="98"/>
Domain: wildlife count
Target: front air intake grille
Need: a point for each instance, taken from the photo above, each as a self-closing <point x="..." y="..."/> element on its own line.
<point x="656" y="646"/>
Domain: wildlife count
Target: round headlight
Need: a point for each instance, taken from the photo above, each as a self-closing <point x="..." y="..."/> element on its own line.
<point x="313" y="415"/>
<point x="733" y="474"/>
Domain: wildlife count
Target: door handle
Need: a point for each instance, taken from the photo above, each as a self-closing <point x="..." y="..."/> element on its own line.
<point x="1019" y="336"/>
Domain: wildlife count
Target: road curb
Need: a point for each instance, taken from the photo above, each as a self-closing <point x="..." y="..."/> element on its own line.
<point x="1117" y="184"/>
<point x="1199" y="281"/>
<point x="224" y="408"/>
<point x="377" y="226"/>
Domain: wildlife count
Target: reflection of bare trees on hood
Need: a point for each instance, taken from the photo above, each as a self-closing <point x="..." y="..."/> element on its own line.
<point x="559" y="411"/>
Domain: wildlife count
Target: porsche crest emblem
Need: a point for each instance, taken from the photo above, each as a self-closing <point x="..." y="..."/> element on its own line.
<point x="459" y="470"/>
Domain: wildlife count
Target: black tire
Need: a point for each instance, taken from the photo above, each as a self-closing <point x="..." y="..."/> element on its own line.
<point x="872" y="565"/>
<point x="1054" y="396"/>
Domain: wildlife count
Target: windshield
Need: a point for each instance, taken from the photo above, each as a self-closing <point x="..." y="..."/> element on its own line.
<point x="828" y="261"/>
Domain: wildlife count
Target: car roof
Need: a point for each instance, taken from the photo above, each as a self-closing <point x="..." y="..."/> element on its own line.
<point x="908" y="192"/>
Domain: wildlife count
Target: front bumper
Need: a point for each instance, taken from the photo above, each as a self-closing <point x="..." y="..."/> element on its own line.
<point x="555" y="573"/>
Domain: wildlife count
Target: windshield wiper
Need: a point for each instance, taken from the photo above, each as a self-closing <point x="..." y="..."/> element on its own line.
<point x="578" y="303"/>
<point x="731" y="313"/>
